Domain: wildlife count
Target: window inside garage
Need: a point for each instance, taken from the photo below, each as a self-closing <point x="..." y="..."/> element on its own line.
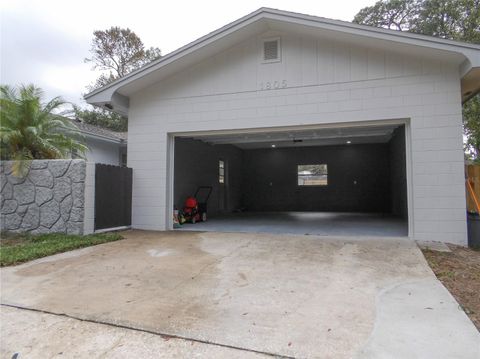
<point x="312" y="175"/>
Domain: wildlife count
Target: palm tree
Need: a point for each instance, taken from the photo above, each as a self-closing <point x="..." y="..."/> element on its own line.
<point x="30" y="129"/>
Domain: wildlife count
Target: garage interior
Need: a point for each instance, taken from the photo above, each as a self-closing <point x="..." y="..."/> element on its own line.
<point x="348" y="181"/>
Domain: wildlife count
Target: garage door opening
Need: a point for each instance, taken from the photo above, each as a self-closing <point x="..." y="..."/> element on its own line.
<point x="331" y="181"/>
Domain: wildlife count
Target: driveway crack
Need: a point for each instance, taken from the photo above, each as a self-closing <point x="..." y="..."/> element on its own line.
<point x="163" y="335"/>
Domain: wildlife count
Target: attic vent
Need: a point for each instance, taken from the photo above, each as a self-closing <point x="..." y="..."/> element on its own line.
<point x="271" y="50"/>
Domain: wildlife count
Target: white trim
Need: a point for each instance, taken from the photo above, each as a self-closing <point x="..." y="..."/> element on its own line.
<point x="307" y="20"/>
<point x="359" y="28"/>
<point x="170" y="182"/>
<point x="89" y="201"/>
<point x="397" y="121"/>
<point x="113" y="229"/>
<point x="409" y="170"/>
<point x="408" y="154"/>
<point x="101" y="137"/>
<point x="182" y="51"/>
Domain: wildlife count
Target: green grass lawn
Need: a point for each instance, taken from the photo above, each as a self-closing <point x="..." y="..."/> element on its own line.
<point x="19" y="248"/>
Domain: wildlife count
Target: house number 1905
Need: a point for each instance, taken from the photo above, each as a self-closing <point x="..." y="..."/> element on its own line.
<point x="273" y="85"/>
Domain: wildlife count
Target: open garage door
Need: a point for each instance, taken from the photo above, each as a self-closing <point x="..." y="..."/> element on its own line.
<point x="324" y="181"/>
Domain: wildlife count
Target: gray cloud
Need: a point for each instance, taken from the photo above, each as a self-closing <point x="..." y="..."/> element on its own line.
<point x="31" y="49"/>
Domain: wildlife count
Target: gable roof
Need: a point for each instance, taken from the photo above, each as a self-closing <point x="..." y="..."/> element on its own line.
<point x="116" y="94"/>
<point x="100" y="133"/>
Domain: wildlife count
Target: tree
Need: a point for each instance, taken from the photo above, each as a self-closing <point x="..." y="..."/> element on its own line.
<point x="117" y="52"/>
<point x="449" y="19"/>
<point x="393" y="14"/>
<point x="471" y="126"/>
<point x="31" y="129"/>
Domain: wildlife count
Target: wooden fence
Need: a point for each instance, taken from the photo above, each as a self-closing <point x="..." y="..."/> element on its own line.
<point x="472" y="182"/>
<point x="113" y="196"/>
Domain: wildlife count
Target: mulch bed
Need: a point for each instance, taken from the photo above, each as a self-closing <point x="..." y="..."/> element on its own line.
<point x="459" y="271"/>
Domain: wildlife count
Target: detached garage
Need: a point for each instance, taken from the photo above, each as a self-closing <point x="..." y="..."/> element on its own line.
<point x="304" y="125"/>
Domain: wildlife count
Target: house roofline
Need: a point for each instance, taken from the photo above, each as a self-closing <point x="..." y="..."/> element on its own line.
<point x="101" y="137"/>
<point x="428" y="41"/>
<point x="176" y="52"/>
<point x="369" y="28"/>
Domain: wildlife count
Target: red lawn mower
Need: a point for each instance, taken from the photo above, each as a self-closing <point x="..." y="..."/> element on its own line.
<point x="195" y="208"/>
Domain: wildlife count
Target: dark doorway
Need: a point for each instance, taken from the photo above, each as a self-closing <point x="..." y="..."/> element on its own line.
<point x="343" y="181"/>
<point x="222" y="185"/>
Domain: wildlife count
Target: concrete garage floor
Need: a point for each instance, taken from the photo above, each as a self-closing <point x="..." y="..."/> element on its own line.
<point x="292" y="296"/>
<point x="315" y="223"/>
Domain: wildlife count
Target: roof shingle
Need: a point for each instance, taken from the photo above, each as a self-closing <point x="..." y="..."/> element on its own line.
<point x="100" y="131"/>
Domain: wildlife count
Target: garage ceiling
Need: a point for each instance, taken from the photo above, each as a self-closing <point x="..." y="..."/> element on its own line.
<point x="303" y="138"/>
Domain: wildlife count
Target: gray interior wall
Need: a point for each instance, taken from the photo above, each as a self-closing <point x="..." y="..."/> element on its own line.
<point x="270" y="179"/>
<point x="196" y="164"/>
<point x="266" y="179"/>
<point x="398" y="176"/>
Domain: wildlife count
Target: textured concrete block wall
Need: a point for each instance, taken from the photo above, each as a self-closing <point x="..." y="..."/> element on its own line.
<point x="48" y="199"/>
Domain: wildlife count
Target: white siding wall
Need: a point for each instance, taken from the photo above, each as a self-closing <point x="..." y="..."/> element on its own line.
<point x="103" y="152"/>
<point x="326" y="82"/>
<point x="89" y="216"/>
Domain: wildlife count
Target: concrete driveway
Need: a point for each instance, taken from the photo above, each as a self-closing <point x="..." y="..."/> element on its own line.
<point x="284" y="295"/>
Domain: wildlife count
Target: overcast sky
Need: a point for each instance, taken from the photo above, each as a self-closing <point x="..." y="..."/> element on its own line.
<point x="45" y="42"/>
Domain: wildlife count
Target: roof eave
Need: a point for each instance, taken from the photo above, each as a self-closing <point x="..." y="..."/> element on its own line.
<point x="107" y="96"/>
<point x="470" y="84"/>
<point x="102" y="138"/>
